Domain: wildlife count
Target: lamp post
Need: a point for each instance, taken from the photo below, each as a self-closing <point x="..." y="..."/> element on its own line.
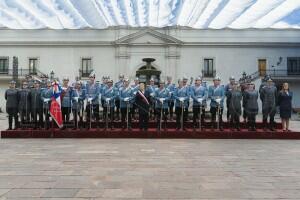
<point x="52" y="75"/>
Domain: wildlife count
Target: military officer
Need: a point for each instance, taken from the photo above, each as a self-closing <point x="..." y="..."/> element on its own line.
<point x="46" y="99"/>
<point x="11" y="97"/>
<point x="199" y="96"/>
<point x="151" y="90"/>
<point x="109" y="94"/>
<point x="251" y="106"/>
<point x="182" y="97"/>
<point x="36" y="105"/>
<point x="171" y="87"/>
<point x="268" y="97"/>
<point x="216" y="93"/>
<point x="66" y="104"/>
<point x="234" y="105"/>
<point x="118" y="85"/>
<point x="24" y="103"/>
<point x="92" y="96"/>
<point x="162" y="96"/>
<point x="228" y="88"/>
<point x="126" y="96"/>
<point x="78" y="97"/>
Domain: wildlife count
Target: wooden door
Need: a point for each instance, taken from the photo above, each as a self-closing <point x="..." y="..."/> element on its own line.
<point x="262" y="67"/>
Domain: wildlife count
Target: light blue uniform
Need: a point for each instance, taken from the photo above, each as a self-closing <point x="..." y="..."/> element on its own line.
<point x="214" y="92"/>
<point x="164" y="93"/>
<point x="126" y="93"/>
<point x="78" y="104"/>
<point x="67" y="98"/>
<point x="93" y="91"/>
<point x="110" y="93"/>
<point x="198" y="92"/>
<point x="182" y="93"/>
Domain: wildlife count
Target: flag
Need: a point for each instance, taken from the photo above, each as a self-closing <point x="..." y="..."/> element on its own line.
<point x="55" y="107"/>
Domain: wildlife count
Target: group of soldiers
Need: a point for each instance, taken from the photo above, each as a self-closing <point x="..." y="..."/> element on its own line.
<point x="84" y="102"/>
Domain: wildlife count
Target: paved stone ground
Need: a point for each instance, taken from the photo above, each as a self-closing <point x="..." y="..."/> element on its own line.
<point x="94" y="169"/>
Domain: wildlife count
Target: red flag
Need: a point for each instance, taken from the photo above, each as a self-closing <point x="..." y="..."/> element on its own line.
<point x="55" y="107"/>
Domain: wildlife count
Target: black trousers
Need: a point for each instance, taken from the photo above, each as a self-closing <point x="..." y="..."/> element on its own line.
<point x="251" y="120"/>
<point x="268" y="112"/>
<point x="12" y="114"/>
<point x="110" y="115"/>
<point x="77" y="115"/>
<point x="37" y="112"/>
<point x="171" y="108"/>
<point x="164" y="112"/>
<point x="235" y="120"/>
<point x="124" y="116"/>
<point x="47" y="116"/>
<point x="133" y="110"/>
<point x="24" y="115"/>
<point x="66" y="113"/>
<point x="143" y="119"/>
<point x="196" y="115"/>
<point x="178" y="111"/>
<point x="117" y="102"/>
<point x="213" y="111"/>
<point x="95" y="112"/>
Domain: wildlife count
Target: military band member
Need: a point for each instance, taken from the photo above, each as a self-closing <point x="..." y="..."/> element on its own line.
<point x="78" y="97"/>
<point x="36" y="105"/>
<point x="234" y="106"/>
<point x="216" y="93"/>
<point x="92" y="96"/>
<point x="24" y="103"/>
<point x="228" y="88"/>
<point x="126" y="96"/>
<point x="135" y="88"/>
<point x="142" y="99"/>
<point x="171" y="87"/>
<point x="182" y="97"/>
<point x="118" y="85"/>
<point x="199" y="96"/>
<point x="162" y="97"/>
<point x="109" y="94"/>
<point x="268" y="95"/>
<point x="151" y="90"/>
<point x="11" y="97"/>
<point x="251" y="106"/>
<point x="66" y="104"/>
<point x="46" y="98"/>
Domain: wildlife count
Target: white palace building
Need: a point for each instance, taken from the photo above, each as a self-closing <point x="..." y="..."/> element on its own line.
<point x="185" y="37"/>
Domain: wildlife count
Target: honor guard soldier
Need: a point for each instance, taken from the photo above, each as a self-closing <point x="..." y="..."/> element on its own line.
<point x="234" y="106"/>
<point x="182" y="97"/>
<point x="78" y="97"/>
<point x="135" y="88"/>
<point x="228" y="88"/>
<point x="24" y="104"/>
<point x="199" y="96"/>
<point x="118" y="85"/>
<point x="126" y="96"/>
<point x="11" y="97"/>
<point x="66" y="104"/>
<point x="46" y="99"/>
<point x="37" y="105"/>
<point x="103" y="85"/>
<point x="268" y="96"/>
<point x="151" y="90"/>
<point x="171" y="87"/>
<point x="216" y="93"/>
<point x="162" y="97"/>
<point x="92" y="96"/>
<point x="251" y="106"/>
<point x="108" y="95"/>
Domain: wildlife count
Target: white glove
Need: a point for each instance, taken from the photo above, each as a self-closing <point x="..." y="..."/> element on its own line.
<point x="126" y="99"/>
<point x="200" y="100"/>
<point x="134" y="93"/>
<point x="90" y="99"/>
<point x="76" y="99"/>
<point x="152" y="94"/>
<point x="181" y="99"/>
<point x="161" y="100"/>
<point x="46" y="100"/>
<point x="218" y="100"/>
<point x="107" y="99"/>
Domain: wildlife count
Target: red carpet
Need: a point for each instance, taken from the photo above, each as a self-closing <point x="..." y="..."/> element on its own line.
<point x="151" y="133"/>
